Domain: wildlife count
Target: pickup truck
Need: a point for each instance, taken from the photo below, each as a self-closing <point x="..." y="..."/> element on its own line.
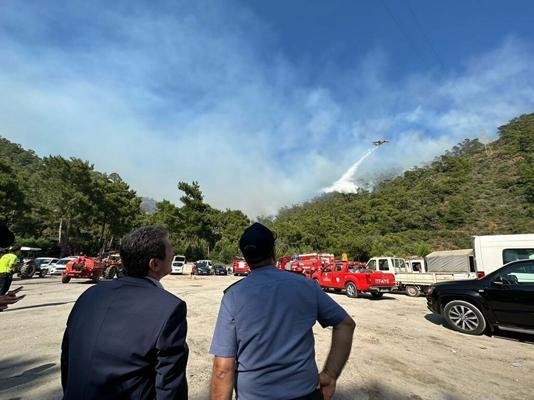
<point x="344" y="275"/>
<point x="410" y="282"/>
<point x="241" y="267"/>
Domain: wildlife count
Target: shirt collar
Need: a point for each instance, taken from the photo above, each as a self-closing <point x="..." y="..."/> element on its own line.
<point x="262" y="268"/>
<point x="156" y="282"/>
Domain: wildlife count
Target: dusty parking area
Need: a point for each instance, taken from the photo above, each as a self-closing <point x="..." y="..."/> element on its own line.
<point x="400" y="351"/>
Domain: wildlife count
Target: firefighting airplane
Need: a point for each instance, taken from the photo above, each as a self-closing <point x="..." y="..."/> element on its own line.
<point x="380" y="142"/>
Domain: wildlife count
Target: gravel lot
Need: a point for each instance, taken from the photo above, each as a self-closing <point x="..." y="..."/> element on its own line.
<point x="400" y="350"/>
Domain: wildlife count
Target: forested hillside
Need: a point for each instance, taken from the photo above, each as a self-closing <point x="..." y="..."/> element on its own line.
<point x="65" y="206"/>
<point x="471" y="190"/>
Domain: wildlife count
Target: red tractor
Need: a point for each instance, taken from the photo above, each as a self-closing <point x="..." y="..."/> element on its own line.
<point x="84" y="267"/>
<point x="112" y="266"/>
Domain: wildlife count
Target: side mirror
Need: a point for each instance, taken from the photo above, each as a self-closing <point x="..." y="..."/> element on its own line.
<point x="497" y="282"/>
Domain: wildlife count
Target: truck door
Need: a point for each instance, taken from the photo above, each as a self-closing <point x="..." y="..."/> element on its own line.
<point x="511" y="295"/>
<point x="326" y="276"/>
<point x="337" y="276"/>
<point x="383" y="265"/>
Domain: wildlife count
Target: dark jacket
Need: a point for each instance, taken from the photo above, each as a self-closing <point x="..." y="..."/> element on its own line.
<point x="125" y="339"/>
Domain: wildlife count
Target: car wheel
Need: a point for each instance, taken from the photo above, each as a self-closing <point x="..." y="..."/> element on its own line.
<point x="351" y="290"/>
<point x="413" y="291"/>
<point x="377" y="295"/>
<point x="65" y="279"/>
<point x="464" y="317"/>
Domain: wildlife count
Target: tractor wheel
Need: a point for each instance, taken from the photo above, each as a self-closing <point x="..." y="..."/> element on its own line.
<point x="377" y="295"/>
<point x="413" y="291"/>
<point x="27" y="271"/>
<point x="65" y="279"/>
<point x="351" y="290"/>
<point x="110" y="272"/>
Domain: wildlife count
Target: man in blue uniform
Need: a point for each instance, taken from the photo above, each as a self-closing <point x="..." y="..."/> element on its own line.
<point x="263" y="342"/>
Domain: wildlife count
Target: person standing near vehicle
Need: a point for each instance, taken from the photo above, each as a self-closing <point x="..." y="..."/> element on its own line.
<point x="263" y="343"/>
<point x="9" y="297"/>
<point x="126" y="339"/>
<point x="7" y="264"/>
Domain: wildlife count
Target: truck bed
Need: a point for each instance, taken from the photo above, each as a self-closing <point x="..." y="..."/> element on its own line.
<point x="429" y="278"/>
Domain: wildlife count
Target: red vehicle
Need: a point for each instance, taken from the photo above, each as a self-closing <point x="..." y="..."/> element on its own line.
<point x="345" y="275"/>
<point x="306" y="264"/>
<point x="84" y="267"/>
<point x="241" y="267"/>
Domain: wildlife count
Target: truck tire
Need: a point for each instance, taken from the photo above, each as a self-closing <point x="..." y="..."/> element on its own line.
<point x="413" y="291"/>
<point x="27" y="271"/>
<point x="464" y="317"/>
<point x="377" y="295"/>
<point x="351" y="290"/>
<point x="65" y="279"/>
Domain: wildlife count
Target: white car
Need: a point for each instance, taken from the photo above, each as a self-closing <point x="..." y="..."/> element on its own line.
<point x="59" y="266"/>
<point x="178" y="263"/>
<point x="44" y="264"/>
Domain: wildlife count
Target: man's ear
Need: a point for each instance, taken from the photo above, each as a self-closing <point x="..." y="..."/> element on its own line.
<point x="153" y="265"/>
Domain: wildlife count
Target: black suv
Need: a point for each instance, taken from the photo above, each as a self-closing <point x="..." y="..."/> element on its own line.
<point x="504" y="299"/>
<point x="201" y="268"/>
<point x="220" y="270"/>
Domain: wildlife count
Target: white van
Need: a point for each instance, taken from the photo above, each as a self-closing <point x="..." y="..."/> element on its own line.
<point x="493" y="251"/>
<point x="178" y="263"/>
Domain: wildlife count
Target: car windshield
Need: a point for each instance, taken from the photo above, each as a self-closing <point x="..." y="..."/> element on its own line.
<point x="63" y="261"/>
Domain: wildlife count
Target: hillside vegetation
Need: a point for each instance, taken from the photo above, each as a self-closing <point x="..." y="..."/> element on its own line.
<point x="473" y="189"/>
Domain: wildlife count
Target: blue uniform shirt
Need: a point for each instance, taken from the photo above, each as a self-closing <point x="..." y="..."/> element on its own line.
<point x="265" y="322"/>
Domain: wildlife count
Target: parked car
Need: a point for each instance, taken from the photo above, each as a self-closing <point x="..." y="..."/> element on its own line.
<point x="503" y="299"/>
<point x="43" y="264"/>
<point x="201" y="268"/>
<point x="220" y="270"/>
<point x="206" y="262"/>
<point x="178" y="263"/>
<point x="59" y="266"/>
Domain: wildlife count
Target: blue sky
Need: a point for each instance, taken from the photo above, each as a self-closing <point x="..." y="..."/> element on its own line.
<point x="263" y="103"/>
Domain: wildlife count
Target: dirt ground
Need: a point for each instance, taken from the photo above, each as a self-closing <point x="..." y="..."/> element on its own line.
<point x="400" y="350"/>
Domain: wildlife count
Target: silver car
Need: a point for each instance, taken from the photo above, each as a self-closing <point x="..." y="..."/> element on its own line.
<point x="59" y="266"/>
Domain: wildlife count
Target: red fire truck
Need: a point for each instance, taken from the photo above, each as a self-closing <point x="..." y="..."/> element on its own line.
<point x="306" y="264"/>
<point x="241" y="267"/>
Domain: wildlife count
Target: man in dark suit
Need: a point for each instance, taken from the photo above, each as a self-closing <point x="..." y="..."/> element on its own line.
<point x="125" y="339"/>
